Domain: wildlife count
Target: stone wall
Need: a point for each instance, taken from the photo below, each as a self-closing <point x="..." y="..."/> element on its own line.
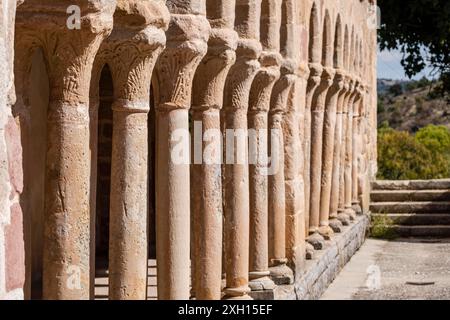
<point x="302" y="69"/>
<point x="12" y="266"/>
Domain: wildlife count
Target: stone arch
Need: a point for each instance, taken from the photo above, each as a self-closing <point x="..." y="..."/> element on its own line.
<point x="346" y="48"/>
<point x="338" y="55"/>
<point x="361" y="58"/>
<point x="327" y="41"/>
<point x="314" y="35"/>
<point x="269" y="22"/>
<point x="351" y="53"/>
<point x="288" y="22"/>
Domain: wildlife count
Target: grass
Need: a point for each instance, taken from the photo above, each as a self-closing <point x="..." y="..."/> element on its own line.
<point x="381" y="227"/>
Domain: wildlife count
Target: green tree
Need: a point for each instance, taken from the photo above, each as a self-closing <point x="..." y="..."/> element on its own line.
<point x="396" y="89"/>
<point x="415" y="25"/>
<point x="437" y="140"/>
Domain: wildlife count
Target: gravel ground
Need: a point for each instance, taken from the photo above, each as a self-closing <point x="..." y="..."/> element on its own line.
<point x="404" y="269"/>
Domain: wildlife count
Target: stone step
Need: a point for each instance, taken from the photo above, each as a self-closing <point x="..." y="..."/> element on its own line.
<point x="410" y="195"/>
<point x="435" y="231"/>
<point x="411" y="219"/>
<point x="411" y="184"/>
<point x="411" y="207"/>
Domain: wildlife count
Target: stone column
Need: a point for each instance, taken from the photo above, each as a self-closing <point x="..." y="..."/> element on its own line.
<point x="132" y="50"/>
<point x="209" y="83"/>
<point x="329" y="130"/>
<point x="348" y="159"/>
<point x="343" y="216"/>
<point x="356" y="145"/>
<point x="259" y="167"/>
<point x="70" y="55"/>
<point x="186" y="46"/>
<point x="295" y="229"/>
<point x="315" y="72"/>
<point x="236" y="175"/>
<point x="338" y="146"/>
<point x="317" y="235"/>
<point x="279" y="271"/>
<point x="364" y="174"/>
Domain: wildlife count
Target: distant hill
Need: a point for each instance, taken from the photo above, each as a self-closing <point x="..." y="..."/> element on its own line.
<point x="411" y="105"/>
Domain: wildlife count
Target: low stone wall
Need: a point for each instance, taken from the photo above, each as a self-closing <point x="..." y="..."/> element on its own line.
<point x="327" y="264"/>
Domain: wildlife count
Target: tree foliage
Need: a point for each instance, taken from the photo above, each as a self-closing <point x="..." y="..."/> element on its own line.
<point x="403" y="156"/>
<point x="413" y="25"/>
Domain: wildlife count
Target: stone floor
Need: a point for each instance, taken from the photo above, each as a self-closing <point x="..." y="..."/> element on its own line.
<point x="395" y="270"/>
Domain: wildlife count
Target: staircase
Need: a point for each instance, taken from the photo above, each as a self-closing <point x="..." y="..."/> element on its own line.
<point x="416" y="208"/>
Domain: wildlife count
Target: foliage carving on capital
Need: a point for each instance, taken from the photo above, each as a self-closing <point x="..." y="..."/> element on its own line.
<point x="69" y="53"/>
<point x="187" y="39"/>
<point x="209" y="80"/>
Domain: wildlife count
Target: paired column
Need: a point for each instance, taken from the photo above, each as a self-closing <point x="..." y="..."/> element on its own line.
<point x="315" y="73"/>
<point x="329" y="131"/>
<point x="259" y="167"/>
<point x="236" y="175"/>
<point x="209" y="83"/>
<point x="348" y="157"/>
<point x="131" y="52"/>
<point x="295" y="229"/>
<point x="279" y="271"/>
<point x="70" y="55"/>
<point x="316" y="235"/>
<point x="356" y="204"/>
<point x="187" y="38"/>
<point x="344" y="216"/>
<point x="336" y="184"/>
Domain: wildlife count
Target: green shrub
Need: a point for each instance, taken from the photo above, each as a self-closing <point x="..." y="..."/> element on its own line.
<point x="400" y="156"/>
<point x="381" y="227"/>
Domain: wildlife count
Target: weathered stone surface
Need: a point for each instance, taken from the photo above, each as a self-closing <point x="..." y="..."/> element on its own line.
<point x="441" y="184"/>
<point x="14" y="251"/>
<point x="95" y="115"/>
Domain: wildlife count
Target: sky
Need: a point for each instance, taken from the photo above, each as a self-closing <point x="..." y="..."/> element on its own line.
<point x="389" y="66"/>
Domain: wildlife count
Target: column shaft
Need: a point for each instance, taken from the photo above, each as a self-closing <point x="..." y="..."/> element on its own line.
<point x="186" y="46"/>
<point x="207" y="214"/>
<point x="317" y="121"/>
<point x="329" y="131"/>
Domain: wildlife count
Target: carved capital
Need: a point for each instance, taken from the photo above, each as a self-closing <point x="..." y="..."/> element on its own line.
<point x="280" y="94"/>
<point x="69" y="53"/>
<point x="338" y="81"/>
<point x="132" y="48"/>
<point x="263" y="83"/>
<point x="209" y="80"/>
<point x="241" y="75"/>
<point x="303" y="70"/>
<point x="315" y="74"/>
<point x="187" y="39"/>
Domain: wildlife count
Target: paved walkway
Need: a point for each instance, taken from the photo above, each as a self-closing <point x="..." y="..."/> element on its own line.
<point x="399" y="270"/>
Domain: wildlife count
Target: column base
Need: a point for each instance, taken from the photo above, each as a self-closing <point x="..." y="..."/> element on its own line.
<point x="351" y="213"/>
<point x="326" y="232"/>
<point x="336" y="225"/>
<point x="316" y="240"/>
<point x="343" y="218"/>
<point x="357" y="208"/>
<point x="261" y="283"/>
<point x="240" y="293"/>
<point x="309" y="251"/>
<point x="281" y="274"/>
